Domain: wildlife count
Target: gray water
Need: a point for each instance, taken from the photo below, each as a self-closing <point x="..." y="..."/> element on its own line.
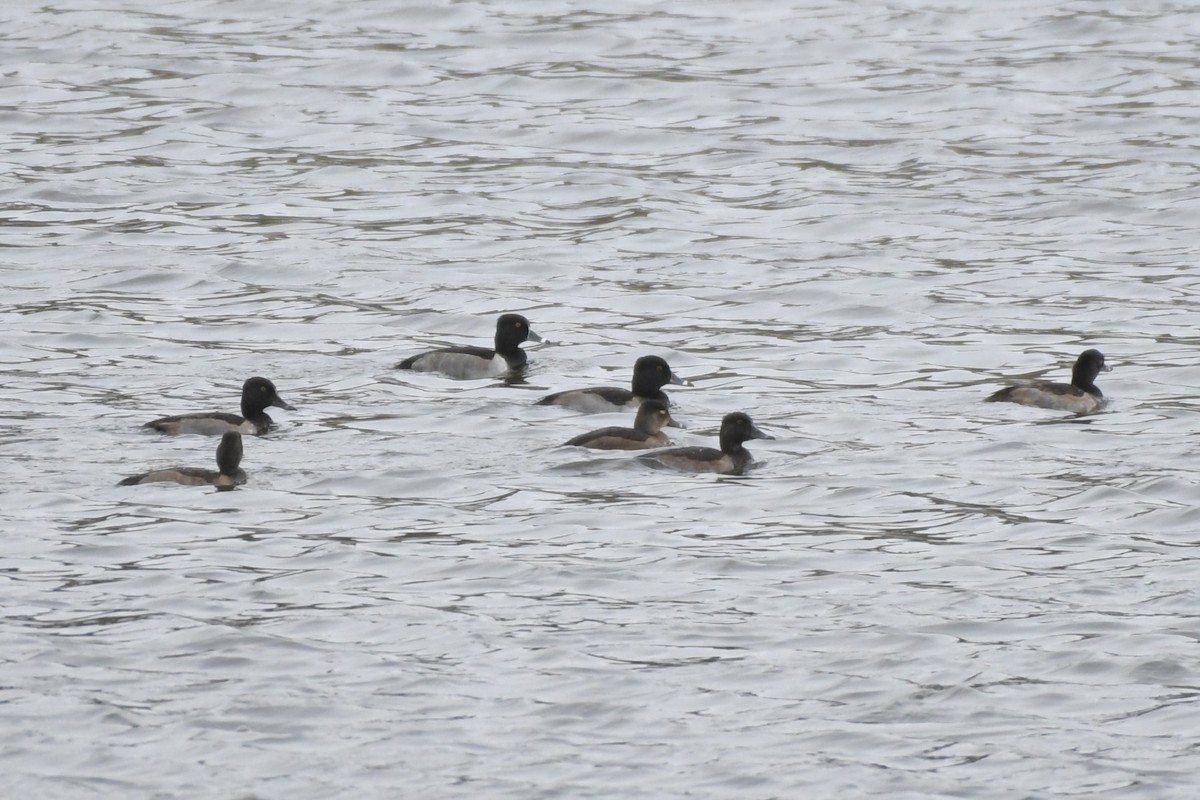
<point x="850" y="220"/>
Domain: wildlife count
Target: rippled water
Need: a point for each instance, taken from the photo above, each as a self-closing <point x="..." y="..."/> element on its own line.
<point x="850" y="220"/>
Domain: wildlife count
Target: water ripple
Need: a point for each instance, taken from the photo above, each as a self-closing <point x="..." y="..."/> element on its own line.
<point x="852" y="223"/>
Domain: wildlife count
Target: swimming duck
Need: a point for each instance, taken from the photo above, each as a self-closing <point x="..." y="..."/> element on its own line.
<point x="645" y="433"/>
<point x="479" y="362"/>
<point x="1081" y="395"/>
<point x="229" y="472"/>
<point x="731" y="459"/>
<point x="258" y="394"/>
<point x="650" y="374"/>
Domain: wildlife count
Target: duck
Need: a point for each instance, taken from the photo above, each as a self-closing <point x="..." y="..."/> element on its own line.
<point x="258" y="394"/>
<point x="227" y="475"/>
<point x="466" y="363"/>
<point x="731" y="459"/>
<point x="646" y="433"/>
<point x="650" y="374"/>
<point x="1081" y="395"/>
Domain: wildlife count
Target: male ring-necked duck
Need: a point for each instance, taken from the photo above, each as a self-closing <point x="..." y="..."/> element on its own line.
<point x="258" y="394"/>
<point x="228" y="474"/>
<point x="645" y="433"/>
<point x="479" y="362"/>
<point x="731" y="459"/>
<point x="650" y="374"/>
<point x="1081" y="395"/>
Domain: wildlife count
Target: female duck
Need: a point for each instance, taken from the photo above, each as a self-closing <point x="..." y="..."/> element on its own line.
<point x="258" y="394"/>
<point x="1081" y="395"/>
<point x="731" y="459"/>
<point x="228" y="475"/>
<point x="650" y="374"/>
<point x="646" y="432"/>
<point x="479" y="362"/>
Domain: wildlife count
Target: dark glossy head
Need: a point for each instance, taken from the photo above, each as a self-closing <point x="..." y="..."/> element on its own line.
<point x="511" y="331"/>
<point x="737" y="428"/>
<point x="229" y="453"/>
<point x="651" y="373"/>
<point x="652" y="417"/>
<point x="1089" y="364"/>
<point x="258" y="394"/>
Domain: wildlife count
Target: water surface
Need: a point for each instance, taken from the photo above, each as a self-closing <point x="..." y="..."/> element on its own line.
<point x="850" y="221"/>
